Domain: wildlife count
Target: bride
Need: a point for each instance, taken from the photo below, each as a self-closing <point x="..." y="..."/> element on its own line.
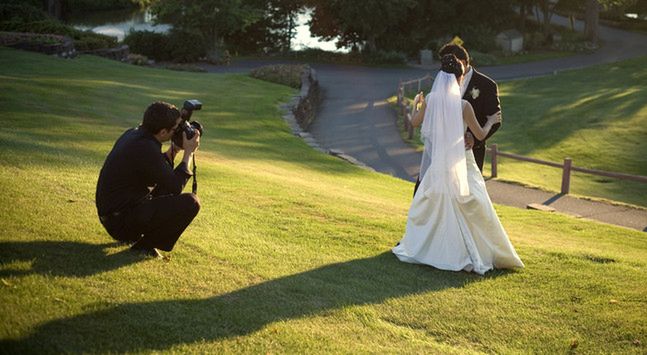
<point x="452" y="224"/>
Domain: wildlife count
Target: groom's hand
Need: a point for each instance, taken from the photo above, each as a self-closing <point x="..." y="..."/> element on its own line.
<point x="469" y="140"/>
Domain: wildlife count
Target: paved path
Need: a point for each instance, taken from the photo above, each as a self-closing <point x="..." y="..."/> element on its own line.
<point x="355" y="119"/>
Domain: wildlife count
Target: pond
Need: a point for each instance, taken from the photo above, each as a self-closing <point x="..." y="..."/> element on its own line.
<point x="116" y="23"/>
<point x="119" y="23"/>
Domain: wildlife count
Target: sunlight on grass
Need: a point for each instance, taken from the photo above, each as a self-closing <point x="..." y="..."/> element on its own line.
<point x="290" y="252"/>
<point x="595" y="116"/>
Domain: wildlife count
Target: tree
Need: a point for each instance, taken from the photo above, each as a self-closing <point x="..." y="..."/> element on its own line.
<point x="592" y="15"/>
<point x="357" y="24"/>
<point x="408" y="26"/>
<point x="213" y="19"/>
<point x="274" y="31"/>
<point x="54" y="9"/>
<point x="592" y="18"/>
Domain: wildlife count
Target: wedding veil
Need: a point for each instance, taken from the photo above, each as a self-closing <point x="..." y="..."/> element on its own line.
<point x="443" y="130"/>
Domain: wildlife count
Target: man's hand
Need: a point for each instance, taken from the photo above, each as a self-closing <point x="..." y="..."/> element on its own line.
<point x="191" y="145"/>
<point x="469" y="140"/>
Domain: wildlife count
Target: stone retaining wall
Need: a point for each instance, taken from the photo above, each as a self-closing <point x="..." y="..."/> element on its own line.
<point x="301" y="111"/>
<point x="309" y="98"/>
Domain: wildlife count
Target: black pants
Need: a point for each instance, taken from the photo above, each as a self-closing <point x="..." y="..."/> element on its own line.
<point x="479" y="157"/>
<point x="155" y="223"/>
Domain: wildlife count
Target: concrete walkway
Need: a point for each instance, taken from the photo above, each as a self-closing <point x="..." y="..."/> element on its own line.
<point x="356" y="120"/>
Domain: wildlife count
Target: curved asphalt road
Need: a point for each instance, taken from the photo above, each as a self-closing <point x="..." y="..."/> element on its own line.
<point x="355" y="119"/>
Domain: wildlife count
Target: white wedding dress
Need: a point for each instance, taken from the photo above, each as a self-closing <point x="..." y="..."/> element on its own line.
<point x="454" y="228"/>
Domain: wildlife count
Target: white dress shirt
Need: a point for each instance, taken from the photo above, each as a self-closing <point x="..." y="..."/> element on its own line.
<point x="466" y="80"/>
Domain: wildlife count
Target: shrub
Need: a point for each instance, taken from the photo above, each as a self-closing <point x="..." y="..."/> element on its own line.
<point x="148" y="43"/>
<point x="83" y="40"/>
<point x="28" y="17"/>
<point x="186" y="46"/>
<point x="178" y="46"/>
<point x="137" y="59"/>
<point x="479" y="38"/>
<point x="21" y="12"/>
<point x="285" y="74"/>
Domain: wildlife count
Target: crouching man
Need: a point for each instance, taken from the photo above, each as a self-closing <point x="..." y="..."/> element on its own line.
<point x="139" y="194"/>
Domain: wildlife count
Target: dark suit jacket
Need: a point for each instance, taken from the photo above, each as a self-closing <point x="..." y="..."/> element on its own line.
<point x="483" y="94"/>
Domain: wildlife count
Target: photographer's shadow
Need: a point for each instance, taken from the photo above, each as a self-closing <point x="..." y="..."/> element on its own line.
<point x="73" y="259"/>
<point x="153" y="326"/>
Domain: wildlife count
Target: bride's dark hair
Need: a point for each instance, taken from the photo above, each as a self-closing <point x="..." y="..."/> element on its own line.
<point x="450" y="64"/>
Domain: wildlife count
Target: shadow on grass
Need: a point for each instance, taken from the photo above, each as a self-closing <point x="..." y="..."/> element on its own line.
<point x="70" y="259"/>
<point x="158" y="326"/>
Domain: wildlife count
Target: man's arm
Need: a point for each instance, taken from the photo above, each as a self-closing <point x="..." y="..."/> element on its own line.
<point x="182" y="171"/>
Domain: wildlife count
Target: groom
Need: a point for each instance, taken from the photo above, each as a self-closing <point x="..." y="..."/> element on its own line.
<point x="482" y="93"/>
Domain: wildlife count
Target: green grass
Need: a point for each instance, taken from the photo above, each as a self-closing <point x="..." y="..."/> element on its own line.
<point x="596" y="116"/>
<point x="290" y="252"/>
<point x="534" y="56"/>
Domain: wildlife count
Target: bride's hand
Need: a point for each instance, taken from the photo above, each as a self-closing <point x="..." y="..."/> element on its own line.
<point x="418" y="100"/>
<point x="495" y="118"/>
<point x="419" y="103"/>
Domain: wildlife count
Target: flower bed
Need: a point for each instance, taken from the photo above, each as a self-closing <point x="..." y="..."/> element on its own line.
<point x="36" y="42"/>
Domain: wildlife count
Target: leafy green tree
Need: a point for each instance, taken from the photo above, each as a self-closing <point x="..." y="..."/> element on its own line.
<point x="215" y="20"/>
<point x="358" y="24"/>
<point x="273" y="32"/>
<point x="407" y="26"/>
<point x="591" y="9"/>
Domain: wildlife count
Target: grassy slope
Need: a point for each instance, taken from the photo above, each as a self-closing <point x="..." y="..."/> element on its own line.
<point x="596" y="116"/>
<point x="290" y="252"/>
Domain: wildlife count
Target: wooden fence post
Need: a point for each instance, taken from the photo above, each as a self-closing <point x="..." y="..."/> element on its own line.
<point x="493" y="159"/>
<point x="566" y="175"/>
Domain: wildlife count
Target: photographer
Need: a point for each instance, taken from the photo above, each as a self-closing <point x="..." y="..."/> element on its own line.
<point x="139" y="195"/>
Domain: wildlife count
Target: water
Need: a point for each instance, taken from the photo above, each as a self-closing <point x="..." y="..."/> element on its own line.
<point x="119" y="23"/>
<point x="636" y="16"/>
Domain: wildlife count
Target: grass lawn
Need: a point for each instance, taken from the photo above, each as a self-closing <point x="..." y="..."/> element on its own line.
<point x="535" y="56"/>
<point x="596" y="116"/>
<point x="290" y="252"/>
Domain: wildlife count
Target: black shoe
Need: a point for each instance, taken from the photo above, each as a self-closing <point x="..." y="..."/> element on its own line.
<point x="148" y="252"/>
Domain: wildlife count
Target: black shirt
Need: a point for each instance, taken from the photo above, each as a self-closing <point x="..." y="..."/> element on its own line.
<point x="133" y="168"/>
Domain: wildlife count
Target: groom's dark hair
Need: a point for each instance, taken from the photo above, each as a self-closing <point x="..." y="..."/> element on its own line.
<point x="456" y="49"/>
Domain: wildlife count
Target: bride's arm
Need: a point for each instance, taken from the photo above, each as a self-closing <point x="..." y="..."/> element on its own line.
<point x="473" y="124"/>
<point x="419" y="115"/>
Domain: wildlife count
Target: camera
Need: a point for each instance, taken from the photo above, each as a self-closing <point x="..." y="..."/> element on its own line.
<point x="186" y="126"/>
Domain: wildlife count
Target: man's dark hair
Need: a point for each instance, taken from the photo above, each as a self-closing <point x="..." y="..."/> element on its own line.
<point x="160" y="115"/>
<point x="456" y="49"/>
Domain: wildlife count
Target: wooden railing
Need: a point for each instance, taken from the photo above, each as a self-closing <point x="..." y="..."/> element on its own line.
<point x="567" y="167"/>
<point x="403" y="106"/>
